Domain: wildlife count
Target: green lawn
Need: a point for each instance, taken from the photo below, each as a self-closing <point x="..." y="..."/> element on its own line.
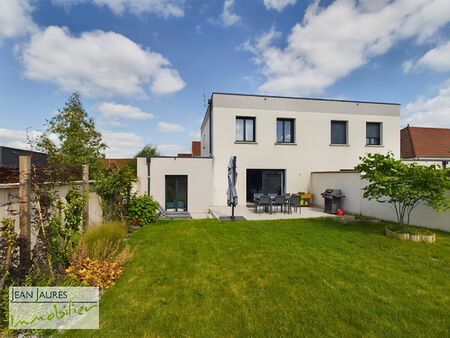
<point x="312" y="277"/>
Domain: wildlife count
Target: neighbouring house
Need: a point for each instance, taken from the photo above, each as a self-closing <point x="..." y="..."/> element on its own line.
<point x="9" y="162"/>
<point x="425" y="145"/>
<point x="278" y="141"/>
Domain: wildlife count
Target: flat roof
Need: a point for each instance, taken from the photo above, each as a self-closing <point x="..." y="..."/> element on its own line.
<point x="302" y="98"/>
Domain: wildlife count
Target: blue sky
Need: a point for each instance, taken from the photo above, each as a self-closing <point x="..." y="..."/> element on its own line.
<point x="142" y="65"/>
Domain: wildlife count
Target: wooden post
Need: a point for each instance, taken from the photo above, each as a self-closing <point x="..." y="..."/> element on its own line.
<point x="86" y="190"/>
<point x="25" y="211"/>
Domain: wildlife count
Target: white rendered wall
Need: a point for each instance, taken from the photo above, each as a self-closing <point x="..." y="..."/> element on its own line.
<point x="142" y="173"/>
<point x="198" y="171"/>
<point x="311" y="151"/>
<point x="205" y="136"/>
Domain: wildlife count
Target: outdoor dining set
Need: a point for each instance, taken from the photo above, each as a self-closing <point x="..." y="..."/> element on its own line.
<point x="273" y="203"/>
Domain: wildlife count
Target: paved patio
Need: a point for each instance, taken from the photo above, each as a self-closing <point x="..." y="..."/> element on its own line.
<point x="249" y="213"/>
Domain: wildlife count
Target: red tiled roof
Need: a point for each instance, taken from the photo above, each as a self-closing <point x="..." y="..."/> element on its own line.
<point x="424" y="142"/>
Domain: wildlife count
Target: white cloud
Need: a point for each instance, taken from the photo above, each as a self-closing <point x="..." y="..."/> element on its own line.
<point x="429" y="112"/>
<point x="97" y="63"/>
<point x="119" y="144"/>
<point x="16" y="138"/>
<point x="198" y="29"/>
<point x="331" y="42"/>
<point x="167" y="81"/>
<point x="227" y="17"/>
<point x="122" y="145"/>
<point x="437" y="59"/>
<point x="164" y="8"/>
<point x="171" y="149"/>
<point x="15" y="18"/>
<point x="278" y="4"/>
<point x="111" y="112"/>
<point x="13" y="138"/>
<point x="195" y="134"/>
<point x="169" y="127"/>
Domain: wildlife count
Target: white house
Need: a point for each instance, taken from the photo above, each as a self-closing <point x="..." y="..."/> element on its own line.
<point x="278" y="141"/>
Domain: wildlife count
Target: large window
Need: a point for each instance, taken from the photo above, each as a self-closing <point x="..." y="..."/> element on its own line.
<point x="338" y="132"/>
<point x="285" y="131"/>
<point x="373" y="133"/>
<point x="245" y="129"/>
<point x="265" y="181"/>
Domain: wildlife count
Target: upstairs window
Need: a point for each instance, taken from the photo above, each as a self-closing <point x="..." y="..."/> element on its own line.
<point x="338" y="132"/>
<point x="285" y="131"/>
<point x="245" y="129"/>
<point x="373" y="133"/>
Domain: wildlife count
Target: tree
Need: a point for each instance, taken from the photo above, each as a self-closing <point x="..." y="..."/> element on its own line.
<point x="78" y="141"/>
<point x="404" y="186"/>
<point x="148" y="150"/>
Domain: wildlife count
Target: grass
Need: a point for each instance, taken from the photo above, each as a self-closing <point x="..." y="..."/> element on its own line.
<point x="311" y="277"/>
<point x="104" y="238"/>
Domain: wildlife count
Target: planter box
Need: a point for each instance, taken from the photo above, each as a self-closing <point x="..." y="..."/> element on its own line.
<point x="307" y="198"/>
<point x="414" y="238"/>
<point x="390" y="233"/>
<point x="429" y="239"/>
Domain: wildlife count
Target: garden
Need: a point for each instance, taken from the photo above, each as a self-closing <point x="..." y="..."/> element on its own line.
<point x="296" y="277"/>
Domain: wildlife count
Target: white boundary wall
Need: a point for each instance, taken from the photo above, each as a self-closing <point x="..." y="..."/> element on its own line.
<point x="10" y="192"/>
<point x="350" y="183"/>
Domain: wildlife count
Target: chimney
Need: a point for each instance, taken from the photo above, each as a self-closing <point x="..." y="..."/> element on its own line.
<point x="196" y="148"/>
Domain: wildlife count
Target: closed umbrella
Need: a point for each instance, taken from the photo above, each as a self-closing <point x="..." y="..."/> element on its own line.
<point x="232" y="198"/>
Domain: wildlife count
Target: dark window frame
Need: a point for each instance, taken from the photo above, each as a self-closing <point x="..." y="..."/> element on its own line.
<point x="372" y="141"/>
<point x="346" y="132"/>
<point x="245" y="119"/>
<point x="284" y="130"/>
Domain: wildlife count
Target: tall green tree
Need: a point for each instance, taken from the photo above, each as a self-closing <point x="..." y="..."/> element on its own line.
<point x="78" y="141"/>
<point x="404" y="186"/>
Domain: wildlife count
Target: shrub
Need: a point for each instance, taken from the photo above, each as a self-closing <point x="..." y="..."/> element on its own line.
<point x="98" y="256"/>
<point x="104" y="239"/>
<point x="142" y="210"/>
<point x="114" y="186"/>
<point x="95" y="273"/>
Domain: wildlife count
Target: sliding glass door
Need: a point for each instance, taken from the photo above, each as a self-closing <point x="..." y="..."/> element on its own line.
<point x="176" y="192"/>
<point x="265" y="181"/>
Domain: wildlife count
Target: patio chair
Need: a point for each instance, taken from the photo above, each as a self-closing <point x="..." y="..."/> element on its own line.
<point x="279" y="201"/>
<point x="265" y="202"/>
<point x="256" y="198"/>
<point x="294" y="202"/>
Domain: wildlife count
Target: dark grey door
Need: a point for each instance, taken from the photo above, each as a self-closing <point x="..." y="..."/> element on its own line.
<point x="176" y="192"/>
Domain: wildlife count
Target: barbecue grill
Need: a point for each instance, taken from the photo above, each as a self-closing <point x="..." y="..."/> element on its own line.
<point x="332" y="199"/>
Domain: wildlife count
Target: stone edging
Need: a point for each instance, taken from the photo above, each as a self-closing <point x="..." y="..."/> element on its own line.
<point x="414" y="238"/>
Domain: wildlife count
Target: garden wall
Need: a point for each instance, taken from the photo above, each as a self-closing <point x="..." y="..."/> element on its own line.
<point x="351" y="183"/>
<point x="10" y="193"/>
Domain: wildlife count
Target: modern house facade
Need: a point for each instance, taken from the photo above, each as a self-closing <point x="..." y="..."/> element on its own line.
<point x="278" y="142"/>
